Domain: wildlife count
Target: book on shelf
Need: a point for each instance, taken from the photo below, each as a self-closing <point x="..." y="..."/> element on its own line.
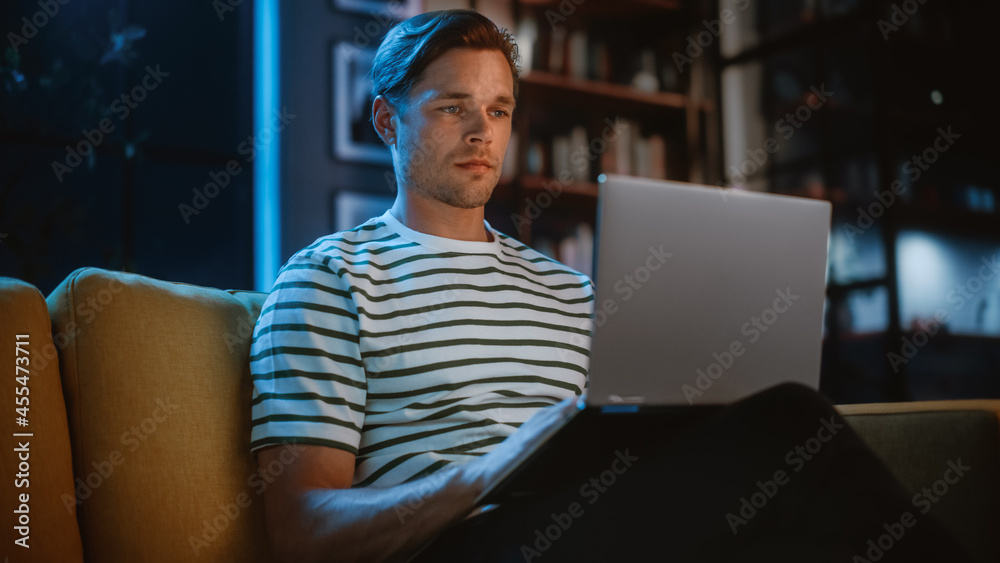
<point x="579" y="54"/>
<point x="580" y="158"/>
<point x="576" y="250"/>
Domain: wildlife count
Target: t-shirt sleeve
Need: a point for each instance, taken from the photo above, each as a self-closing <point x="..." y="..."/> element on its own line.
<point x="309" y="383"/>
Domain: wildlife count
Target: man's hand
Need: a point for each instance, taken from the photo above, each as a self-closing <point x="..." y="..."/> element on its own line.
<point x="312" y="513"/>
<point x="487" y="470"/>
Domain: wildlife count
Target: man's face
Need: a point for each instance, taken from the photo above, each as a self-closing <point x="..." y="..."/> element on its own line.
<point x="452" y="136"/>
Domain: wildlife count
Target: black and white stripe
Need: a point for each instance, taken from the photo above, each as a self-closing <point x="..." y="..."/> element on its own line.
<point x="413" y="351"/>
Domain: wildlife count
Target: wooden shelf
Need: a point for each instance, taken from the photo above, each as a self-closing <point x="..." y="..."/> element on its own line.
<point x="547" y="84"/>
<point x="554" y="105"/>
<point x="537" y="183"/>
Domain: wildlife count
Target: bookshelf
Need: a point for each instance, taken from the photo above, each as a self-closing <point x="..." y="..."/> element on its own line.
<point x="601" y="93"/>
<point x="877" y="149"/>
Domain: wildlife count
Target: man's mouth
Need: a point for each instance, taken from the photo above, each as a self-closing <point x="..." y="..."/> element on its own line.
<point x="475" y="165"/>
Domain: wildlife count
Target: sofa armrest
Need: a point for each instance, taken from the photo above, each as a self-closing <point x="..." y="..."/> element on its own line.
<point x="51" y="510"/>
<point x="946" y="454"/>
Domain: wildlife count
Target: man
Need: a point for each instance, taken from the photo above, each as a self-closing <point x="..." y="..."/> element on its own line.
<point x="402" y="355"/>
<point x="423" y="337"/>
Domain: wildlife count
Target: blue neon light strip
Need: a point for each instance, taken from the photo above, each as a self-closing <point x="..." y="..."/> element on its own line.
<point x="267" y="164"/>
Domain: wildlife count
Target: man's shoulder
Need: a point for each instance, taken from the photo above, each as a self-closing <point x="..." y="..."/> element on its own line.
<point x="539" y="263"/>
<point x="364" y="242"/>
<point x="359" y="239"/>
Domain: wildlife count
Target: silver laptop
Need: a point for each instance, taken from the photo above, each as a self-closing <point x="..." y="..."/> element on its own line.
<point x="704" y="296"/>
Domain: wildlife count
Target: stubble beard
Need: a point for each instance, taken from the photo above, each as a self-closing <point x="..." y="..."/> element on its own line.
<point x="437" y="180"/>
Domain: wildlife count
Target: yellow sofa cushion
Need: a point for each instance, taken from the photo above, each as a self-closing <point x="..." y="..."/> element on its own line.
<point x="158" y="396"/>
<point x="52" y="529"/>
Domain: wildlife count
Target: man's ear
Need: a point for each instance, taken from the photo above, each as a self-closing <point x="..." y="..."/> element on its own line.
<point x="382" y="119"/>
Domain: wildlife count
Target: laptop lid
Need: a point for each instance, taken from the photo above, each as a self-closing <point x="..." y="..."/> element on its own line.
<point x="704" y="295"/>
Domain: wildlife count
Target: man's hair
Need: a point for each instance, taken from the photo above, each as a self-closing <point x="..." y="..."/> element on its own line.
<point x="410" y="46"/>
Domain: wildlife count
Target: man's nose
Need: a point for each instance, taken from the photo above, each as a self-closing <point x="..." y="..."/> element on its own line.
<point x="479" y="127"/>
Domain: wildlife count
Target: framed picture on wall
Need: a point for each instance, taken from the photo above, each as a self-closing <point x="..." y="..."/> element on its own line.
<point x="394" y="9"/>
<point x="354" y="138"/>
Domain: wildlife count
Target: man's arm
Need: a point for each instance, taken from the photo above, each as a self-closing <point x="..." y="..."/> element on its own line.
<point x="313" y="515"/>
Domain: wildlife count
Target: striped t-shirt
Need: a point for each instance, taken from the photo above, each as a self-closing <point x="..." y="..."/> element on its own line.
<point x="413" y="351"/>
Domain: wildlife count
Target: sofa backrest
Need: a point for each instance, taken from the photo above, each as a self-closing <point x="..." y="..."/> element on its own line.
<point x="158" y="392"/>
<point x="38" y="465"/>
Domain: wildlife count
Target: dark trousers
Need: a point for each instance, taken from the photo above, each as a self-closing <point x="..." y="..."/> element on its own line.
<point x="776" y="477"/>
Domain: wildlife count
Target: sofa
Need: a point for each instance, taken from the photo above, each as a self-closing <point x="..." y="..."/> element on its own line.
<point x="139" y="423"/>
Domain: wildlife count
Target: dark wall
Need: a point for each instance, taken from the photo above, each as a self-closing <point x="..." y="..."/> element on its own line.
<point x="311" y="174"/>
<point x="170" y="83"/>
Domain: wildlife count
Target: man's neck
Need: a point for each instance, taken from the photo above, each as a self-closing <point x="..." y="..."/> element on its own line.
<point x="440" y="220"/>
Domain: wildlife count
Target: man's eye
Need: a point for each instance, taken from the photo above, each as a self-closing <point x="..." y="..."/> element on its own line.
<point x="450" y="109"/>
<point x="501" y="113"/>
